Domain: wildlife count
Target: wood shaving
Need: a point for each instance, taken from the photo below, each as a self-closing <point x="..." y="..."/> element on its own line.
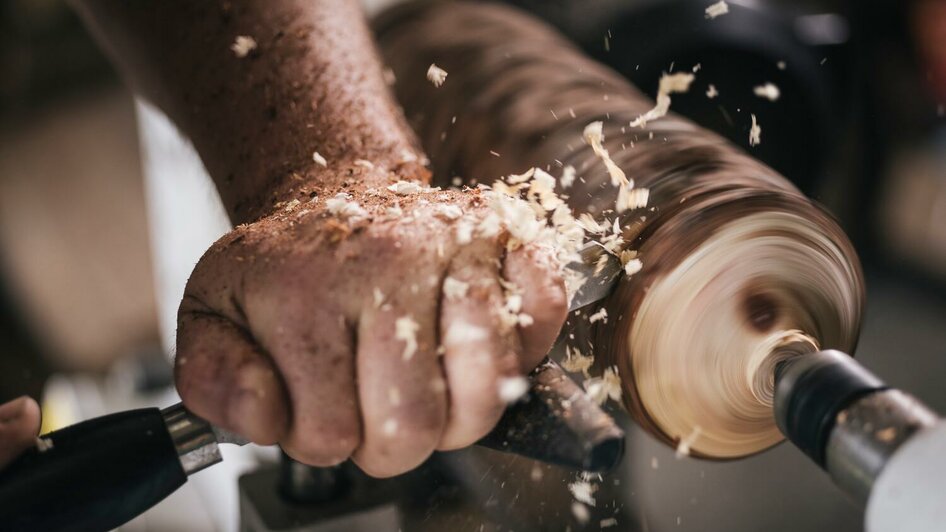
<point x="511" y="389"/>
<point x="464" y="231"/>
<point x="568" y="176"/>
<point x="711" y="91"/>
<point x="364" y="163"/>
<point x="448" y="212"/>
<point x="633" y="266"/>
<point x="461" y="332"/>
<point x="755" y="132"/>
<point x="609" y="522"/>
<point x="576" y="362"/>
<point x="536" y="473"/>
<point x="44" y="444"/>
<point x="515" y="179"/>
<point x="769" y="91"/>
<point x="394" y="211"/>
<point x="291" y="205"/>
<point x="436" y="75"/>
<point x="243" y="45"/>
<point x="405" y="330"/>
<point x="717" y="10"/>
<point x="583" y="491"/>
<point x="886" y="435"/>
<point x="629" y="199"/>
<point x="343" y="206"/>
<point x="669" y="84"/>
<point x="601" y="315"/>
<point x="389" y="428"/>
<point x="683" y="448"/>
<point x="454" y="289"/>
<point x="406" y="188"/>
<point x="407" y="156"/>
<point x="319" y="160"/>
<point x="600" y="389"/>
<point x="594" y="136"/>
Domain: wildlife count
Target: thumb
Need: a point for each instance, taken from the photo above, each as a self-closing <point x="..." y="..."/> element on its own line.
<point x="19" y="426"/>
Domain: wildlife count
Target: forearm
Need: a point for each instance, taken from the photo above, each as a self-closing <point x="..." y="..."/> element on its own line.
<point x="313" y="84"/>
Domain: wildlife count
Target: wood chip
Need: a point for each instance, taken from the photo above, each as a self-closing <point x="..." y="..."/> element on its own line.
<point x="243" y="45"/>
<point x="436" y="75"/>
<point x="717" y="10"/>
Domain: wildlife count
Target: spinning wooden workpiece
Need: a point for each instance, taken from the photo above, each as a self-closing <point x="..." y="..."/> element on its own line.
<point x="740" y="270"/>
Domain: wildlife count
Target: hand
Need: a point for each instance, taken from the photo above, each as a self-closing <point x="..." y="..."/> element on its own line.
<point x="19" y="426"/>
<point x="338" y="331"/>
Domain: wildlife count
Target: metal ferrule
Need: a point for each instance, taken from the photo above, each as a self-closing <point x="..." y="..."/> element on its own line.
<point x="193" y="438"/>
<point x="867" y="433"/>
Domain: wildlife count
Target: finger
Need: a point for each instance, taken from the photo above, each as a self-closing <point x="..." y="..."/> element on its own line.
<point x="224" y="377"/>
<point x="19" y="425"/>
<point x="315" y="357"/>
<point x="480" y="351"/>
<point x="400" y="386"/>
<point x="534" y="270"/>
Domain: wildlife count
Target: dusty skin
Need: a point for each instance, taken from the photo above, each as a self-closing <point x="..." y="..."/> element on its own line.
<point x="316" y="323"/>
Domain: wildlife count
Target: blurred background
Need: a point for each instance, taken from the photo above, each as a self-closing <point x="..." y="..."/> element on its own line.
<point x="860" y="125"/>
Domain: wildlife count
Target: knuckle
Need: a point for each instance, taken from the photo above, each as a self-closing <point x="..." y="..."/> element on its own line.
<point x="328" y="447"/>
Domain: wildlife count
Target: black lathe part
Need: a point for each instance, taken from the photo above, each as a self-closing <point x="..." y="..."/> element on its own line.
<point x="811" y="390"/>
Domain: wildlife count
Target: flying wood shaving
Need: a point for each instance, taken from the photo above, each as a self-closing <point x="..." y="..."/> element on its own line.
<point x="769" y="91"/>
<point x="594" y="136"/>
<point x="568" y="176"/>
<point x="243" y="45"/>
<point x="436" y="75"/>
<point x="635" y="198"/>
<point x="601" y="315"/>
<point x="515" y="179"/>
<point x="583" y="491"/>
<point x="717" y="10"/>
<point x="511" y="389"/>
<point x="319" y="160"/>
<point x="610" y="521"/>
<point x="633" y="266"/>
<point x="405" y="330"/>
<point x="683" y="448"/>
<point x="341" y="205"/>
<point x="669" y="84"/>
<point x="755" y="132"/>
<point x="576" y="362"/>
<point x="541" y="218"/>
<point x="711" y="91"/>
<point x="44" y="444"/>
<point x="599" y="389"/>
<point x="454" y="289"/>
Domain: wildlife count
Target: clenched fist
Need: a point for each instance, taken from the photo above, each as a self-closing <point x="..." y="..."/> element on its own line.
<point x="380" y="326"/>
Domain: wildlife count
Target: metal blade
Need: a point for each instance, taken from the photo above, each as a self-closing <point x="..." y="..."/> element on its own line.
<point x="601" y="275"/>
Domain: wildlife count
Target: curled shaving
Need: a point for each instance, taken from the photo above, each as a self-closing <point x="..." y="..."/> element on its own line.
<point x="698" y="362"/>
